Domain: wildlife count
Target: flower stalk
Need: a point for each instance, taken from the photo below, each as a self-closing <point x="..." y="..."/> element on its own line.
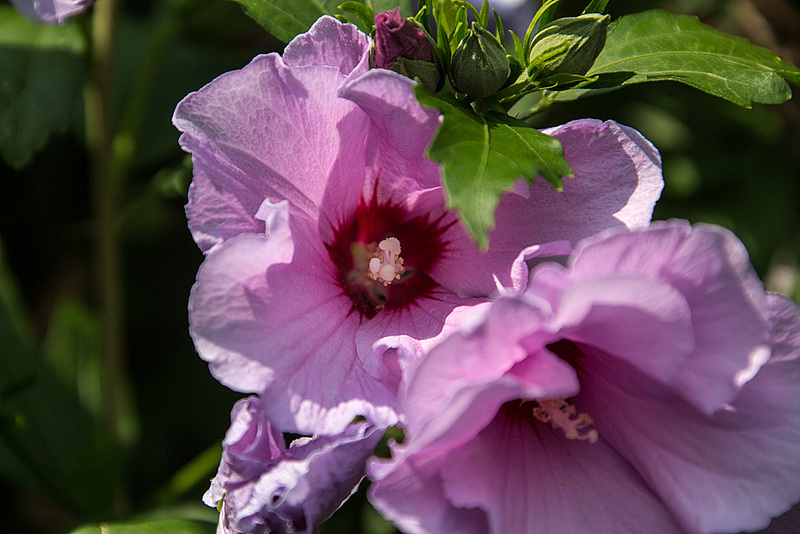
<point x="106" y="183"/>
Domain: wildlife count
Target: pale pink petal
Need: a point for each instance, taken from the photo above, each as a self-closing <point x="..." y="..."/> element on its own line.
<point x="617" y="180"/>
<point x="415" y="329"/>
<point x="222" y="209"/>
<point x="456" y="390"/>
<point x="400" y="133"/>
<point x="728" y="472"/>
<point x="710" y="267"/>
<point x="409" y="494"/>
<point x="544" y="253"/>
<point x="268" y="314"/>
<point x="329" y="43"/>
<point x="637" y="318"/>
<point x="273" y="132"/>
<point x="529" y="478"/>
<point x="785" y="332"/>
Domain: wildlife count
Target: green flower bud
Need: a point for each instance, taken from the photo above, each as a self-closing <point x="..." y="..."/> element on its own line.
<point x="479" y="66"/>
<point x="569" y="45"/>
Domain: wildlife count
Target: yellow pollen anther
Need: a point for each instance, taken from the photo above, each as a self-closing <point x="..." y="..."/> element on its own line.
<point x="562" y="414"/>
<point x="386" y="265"/>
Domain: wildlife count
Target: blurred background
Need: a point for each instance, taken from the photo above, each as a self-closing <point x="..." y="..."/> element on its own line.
<point x="84" y="442"/>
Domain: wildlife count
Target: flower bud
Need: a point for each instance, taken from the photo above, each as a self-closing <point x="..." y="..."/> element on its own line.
<point x="569" y="45"/>
<point x="396" y="37"/>
<point x="479" y="66"/>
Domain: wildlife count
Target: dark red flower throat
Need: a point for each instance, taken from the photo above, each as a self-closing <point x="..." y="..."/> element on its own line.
<point x="362" y="248"/>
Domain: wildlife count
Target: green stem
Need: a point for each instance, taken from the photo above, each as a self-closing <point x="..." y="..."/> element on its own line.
<point x="106" y="184"/>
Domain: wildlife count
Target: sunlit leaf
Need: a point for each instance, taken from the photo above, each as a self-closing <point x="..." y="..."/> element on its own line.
<point x="596" y="6"/>
<point x="482" y="156"/>
<point x="287" y="18"/>
<point x="658" y="45"/>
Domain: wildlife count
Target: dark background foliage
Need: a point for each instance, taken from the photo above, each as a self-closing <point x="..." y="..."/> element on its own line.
<point x="58" y="466"/>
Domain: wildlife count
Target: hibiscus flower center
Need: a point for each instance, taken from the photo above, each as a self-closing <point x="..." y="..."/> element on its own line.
<point x="386" y="264"/>
<point x="559" y="413"/>
<point x="383" y="256"/>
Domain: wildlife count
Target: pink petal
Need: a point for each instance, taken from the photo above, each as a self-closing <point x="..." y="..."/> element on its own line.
<point x="409" y="494"/>
<point x="264" y="484"/>
<point x="616" y="184"/>
<point x="52" y="11"/>
<point x="329" y="43"/>
<point x="456" y="390"/>
<point x="617" y="180"/>
<point x="400" y="133"/>
<point x="710" y="267"/>
<point x="246" y="129"/>
<point x="639" y="319"/>
<point x="218" y="211"/>
<point x="729" y="472"/>
<point x="267" y="310"/>
<point x="529" y="478"/>
<point x="415" y="329"/>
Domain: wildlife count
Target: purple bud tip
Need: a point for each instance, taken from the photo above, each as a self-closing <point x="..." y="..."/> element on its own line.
<point x="396" y="37"/>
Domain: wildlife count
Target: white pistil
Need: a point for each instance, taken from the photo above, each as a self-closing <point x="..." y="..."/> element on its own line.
<point x="387" y="265"/>
<point x="562" y="414"/>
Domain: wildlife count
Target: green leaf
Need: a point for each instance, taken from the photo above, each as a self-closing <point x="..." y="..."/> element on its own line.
<point x="158" y="526"/>
<point x="445" y="14"/>
<point x="482" y="157"/>
<point x="198" y="471"/>
<point x="42" y="68"/>
<point x="596" y="6"/>
<point x="362" y="12"/>
<point x="73" y="347"/>
<point x="658" y="45"/>
<point x="48" y="441"/>
<point x="186" y="519"/>
<point x="285" y="19"/>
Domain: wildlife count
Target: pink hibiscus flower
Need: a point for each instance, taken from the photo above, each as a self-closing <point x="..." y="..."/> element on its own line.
<point x="326" y="233"/>
<point x="626" y="392"/>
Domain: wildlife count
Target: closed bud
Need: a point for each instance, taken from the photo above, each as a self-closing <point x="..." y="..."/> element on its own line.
<point x="479" y="66"/>
<point x="569" y="45"/>
<point x="396" y="37"/>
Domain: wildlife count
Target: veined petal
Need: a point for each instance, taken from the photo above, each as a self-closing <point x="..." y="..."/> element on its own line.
<point x="267" y="310"/>
<point x="729" y="472"/>
<point x="617" y="180"/>
<point x="529" y="478"/>
<point x="401" y="130"/>
<point x="409" y="493"/>
<point x="245" y="130"/>
<point x="330" y="43"/>
<point x="219" y="209"/>
<point x="710" y="267"/>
